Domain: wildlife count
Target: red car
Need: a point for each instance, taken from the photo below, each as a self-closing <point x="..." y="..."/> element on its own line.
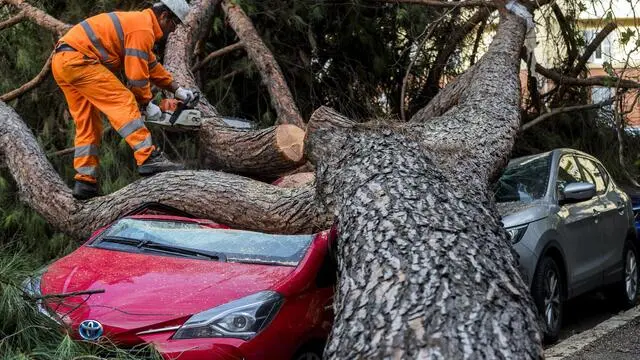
<point x="196" y="289"/>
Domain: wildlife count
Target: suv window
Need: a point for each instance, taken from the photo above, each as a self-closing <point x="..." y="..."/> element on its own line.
<point x="568" y="172"/>
<point x="593" y="174"/>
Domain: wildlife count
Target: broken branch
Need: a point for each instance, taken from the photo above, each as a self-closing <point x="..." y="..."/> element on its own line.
<point x="39" y="17"/>
<point x="593" y="46"/>
<point x="12" y="21"/>
<point x="31" y="84"/>
<point x="216" y="54"/>
<point x="606" y="81"/>
<point x="567" y="109"/>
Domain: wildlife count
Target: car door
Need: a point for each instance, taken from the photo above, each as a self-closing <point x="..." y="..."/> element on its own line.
<point x="579" y="231"/>
<point x="614" y="221"/>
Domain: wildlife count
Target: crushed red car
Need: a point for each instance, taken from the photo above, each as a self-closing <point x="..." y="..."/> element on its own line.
<point x="195" y="289"/>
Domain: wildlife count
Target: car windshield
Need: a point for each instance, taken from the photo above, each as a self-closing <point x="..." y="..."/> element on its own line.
<point x="235" y="245"/>
<point x="524" y="180"/>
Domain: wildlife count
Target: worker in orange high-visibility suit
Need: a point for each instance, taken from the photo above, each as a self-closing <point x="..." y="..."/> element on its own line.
<point x="83" y="66"/>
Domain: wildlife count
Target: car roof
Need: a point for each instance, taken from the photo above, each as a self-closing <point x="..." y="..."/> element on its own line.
<point x="555" y="153"/>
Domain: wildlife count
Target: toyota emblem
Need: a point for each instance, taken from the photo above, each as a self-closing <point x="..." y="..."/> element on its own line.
<point x="90" y="330"/>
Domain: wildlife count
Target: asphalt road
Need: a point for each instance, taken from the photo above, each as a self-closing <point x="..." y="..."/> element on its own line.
<point x="621" y="344"/>
<point x="585" y="312"/>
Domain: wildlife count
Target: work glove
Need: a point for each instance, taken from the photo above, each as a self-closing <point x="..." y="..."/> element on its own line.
<point x="153" y="112"/>
<point x="184" y="94"/>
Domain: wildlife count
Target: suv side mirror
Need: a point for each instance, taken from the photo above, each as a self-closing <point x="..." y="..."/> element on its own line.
<point x="576" y="192"/>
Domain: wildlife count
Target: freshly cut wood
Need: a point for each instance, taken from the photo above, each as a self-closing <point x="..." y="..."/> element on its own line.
<point x="295" y="180"/>
<point x="281" y="98"/>
<point x="230" y="199"/>
<point x="266" y="153"/>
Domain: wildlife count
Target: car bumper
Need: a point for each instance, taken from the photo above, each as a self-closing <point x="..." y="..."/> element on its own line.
<point x="527" y="261"/>
<point x="198" y="349"/>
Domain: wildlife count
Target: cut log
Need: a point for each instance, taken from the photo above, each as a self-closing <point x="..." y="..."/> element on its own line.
<point x="265" y="153"/>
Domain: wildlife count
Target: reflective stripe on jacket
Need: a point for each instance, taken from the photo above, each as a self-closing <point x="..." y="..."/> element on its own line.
<point x="124" y="39"/>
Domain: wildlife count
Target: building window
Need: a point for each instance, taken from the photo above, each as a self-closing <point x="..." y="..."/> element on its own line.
<point x="603" y="51"/>
<point x="600" y="94"/>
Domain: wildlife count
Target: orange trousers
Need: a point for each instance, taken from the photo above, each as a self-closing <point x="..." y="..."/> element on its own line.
<point x="90" y="89"/>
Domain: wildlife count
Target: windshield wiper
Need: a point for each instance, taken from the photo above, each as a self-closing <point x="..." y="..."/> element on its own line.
<point x="149" y="244"/>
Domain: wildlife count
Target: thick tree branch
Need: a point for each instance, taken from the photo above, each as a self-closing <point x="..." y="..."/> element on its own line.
<point x="281" y="98"/>
<point x="473" y="126"/>
<point x="562" y="110"/>
<point x="588" y="51"/>
<point x="39" y="17"/>
<point x="446" y="98"/>
<point x="607" y="81"/>
<point x="207" y="194"/>
<point x="476" y="42"/>
<point x="31" y="84"/>
<point x="567" y="34"/>
<point x="216" y="54"/>
<point x="13" y="21"/>
<point x="432" y="85"/>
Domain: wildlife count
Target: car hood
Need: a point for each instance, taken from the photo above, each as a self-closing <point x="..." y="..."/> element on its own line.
<point x="144" y="291"/>
<point x="518" y="213"/>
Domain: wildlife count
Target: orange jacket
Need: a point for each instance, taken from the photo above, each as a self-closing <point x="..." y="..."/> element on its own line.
<point x="126" y="39"/>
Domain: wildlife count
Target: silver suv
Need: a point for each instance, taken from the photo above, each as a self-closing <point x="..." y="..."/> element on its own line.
<point x="573" y="230"/>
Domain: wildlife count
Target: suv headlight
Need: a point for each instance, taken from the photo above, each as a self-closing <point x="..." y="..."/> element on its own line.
<point x="516" y="233"/>
<point x="242" y="318"/>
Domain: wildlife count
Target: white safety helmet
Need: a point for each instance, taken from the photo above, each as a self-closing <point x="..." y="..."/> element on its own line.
<point x="179" y="7"/>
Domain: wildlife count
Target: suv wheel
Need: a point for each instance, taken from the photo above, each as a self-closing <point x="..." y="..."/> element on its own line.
<point x="627" y="290"/>
<point x="547" y="291"/>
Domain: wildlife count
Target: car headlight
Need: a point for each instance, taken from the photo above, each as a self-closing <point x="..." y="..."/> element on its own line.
<point x="32" y="287"/>
<point x="516" y="233"/>
<point x="242" y="318"/>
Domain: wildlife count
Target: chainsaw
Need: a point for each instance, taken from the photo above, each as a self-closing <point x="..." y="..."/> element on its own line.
<point x="179" y="114"/>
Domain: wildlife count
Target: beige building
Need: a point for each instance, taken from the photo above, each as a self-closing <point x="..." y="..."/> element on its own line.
<point x="618" y="54"/>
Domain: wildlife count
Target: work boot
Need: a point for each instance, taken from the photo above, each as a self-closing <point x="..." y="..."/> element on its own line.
<point x="156" y="163"/>
<point x="83" y="190"/>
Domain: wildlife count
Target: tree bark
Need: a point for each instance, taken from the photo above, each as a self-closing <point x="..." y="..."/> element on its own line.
<point x="229" y="199"/>
<point x="12" y="21"/>
<point x="266" y="153"/>
<point x="39" y="17"/>
<point x="425" y="268"/>
<point x="281" y="98"/>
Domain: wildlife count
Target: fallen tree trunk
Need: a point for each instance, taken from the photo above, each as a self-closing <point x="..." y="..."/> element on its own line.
<point x="226" y="198"/>
<point x="425" y="268"/>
